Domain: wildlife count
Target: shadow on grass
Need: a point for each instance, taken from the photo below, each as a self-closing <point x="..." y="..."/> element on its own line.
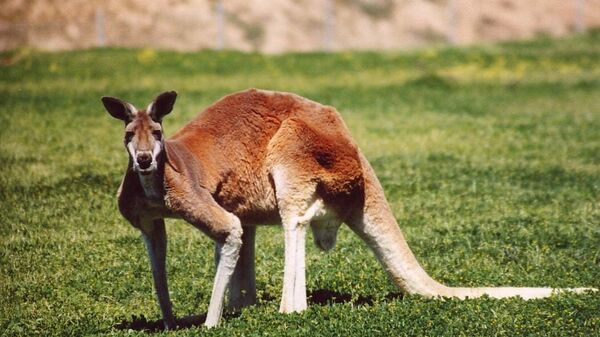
<point x="315" y="297"/>
<point x="142" y="324"/>
<point x="328" y="297"/>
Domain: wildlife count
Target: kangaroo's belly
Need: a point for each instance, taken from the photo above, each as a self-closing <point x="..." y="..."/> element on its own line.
<point x="249" y="195"/>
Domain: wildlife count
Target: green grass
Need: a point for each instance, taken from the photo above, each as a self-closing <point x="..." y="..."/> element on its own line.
<point x="489" y="155"/>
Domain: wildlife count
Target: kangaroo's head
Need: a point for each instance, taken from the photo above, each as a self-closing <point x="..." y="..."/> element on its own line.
<point x="143" y="129"/>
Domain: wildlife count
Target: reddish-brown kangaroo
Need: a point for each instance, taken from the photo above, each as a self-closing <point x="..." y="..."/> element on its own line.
<point x="262" y="157"/>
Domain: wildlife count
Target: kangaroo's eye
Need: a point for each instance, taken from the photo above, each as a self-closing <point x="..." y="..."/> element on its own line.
<point x="128" y="136"/>
<point x="157" y="134"/>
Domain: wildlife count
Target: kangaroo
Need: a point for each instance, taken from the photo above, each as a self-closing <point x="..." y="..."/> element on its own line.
<point x="263" y="157"/>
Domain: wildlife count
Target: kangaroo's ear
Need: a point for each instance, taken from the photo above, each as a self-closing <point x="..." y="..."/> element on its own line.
<point x="162" y="105"/>
<point x="117" y="108"/>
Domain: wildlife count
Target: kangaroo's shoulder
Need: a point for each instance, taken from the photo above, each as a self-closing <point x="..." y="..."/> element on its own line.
<point x="184" y="164"/>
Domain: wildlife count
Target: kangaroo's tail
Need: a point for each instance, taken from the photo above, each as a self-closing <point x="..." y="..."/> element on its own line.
<point x="376" y="225"/>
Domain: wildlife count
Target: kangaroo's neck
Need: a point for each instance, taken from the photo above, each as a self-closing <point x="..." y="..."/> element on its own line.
<point x="153" y="184"/>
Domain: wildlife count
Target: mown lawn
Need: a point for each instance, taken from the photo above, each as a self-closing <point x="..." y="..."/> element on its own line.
<point x="489" y="155"/>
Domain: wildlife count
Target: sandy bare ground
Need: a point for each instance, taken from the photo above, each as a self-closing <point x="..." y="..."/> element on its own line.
<point x="275" y="26"/>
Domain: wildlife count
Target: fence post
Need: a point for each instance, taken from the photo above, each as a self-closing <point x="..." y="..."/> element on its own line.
<point x="579" y="16"/>
<point x="220" y="25"/>
<point x="452" y="22"/>
<point x="100" y="28"/>
<point x="329" y="25"/>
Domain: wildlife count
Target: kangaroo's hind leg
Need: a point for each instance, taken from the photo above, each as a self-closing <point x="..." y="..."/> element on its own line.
<point x="298" y="205"/>
<point x="304" y="163"/>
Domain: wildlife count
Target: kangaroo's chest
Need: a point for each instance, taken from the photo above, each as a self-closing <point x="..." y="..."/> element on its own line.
<point x="149" y="200"/>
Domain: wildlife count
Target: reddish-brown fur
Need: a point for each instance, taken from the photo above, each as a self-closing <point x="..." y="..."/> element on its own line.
<point x="230" y="148"/>
<point x="143" y="126"/>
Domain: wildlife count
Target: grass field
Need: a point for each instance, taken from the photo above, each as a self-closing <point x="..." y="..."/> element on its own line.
<point x="489" y="156"/>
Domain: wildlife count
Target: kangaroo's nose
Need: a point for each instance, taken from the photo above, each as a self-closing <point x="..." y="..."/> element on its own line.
<point x="144" y="160"/>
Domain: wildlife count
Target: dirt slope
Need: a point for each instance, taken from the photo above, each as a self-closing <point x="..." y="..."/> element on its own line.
<point x="284" y="25"/>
